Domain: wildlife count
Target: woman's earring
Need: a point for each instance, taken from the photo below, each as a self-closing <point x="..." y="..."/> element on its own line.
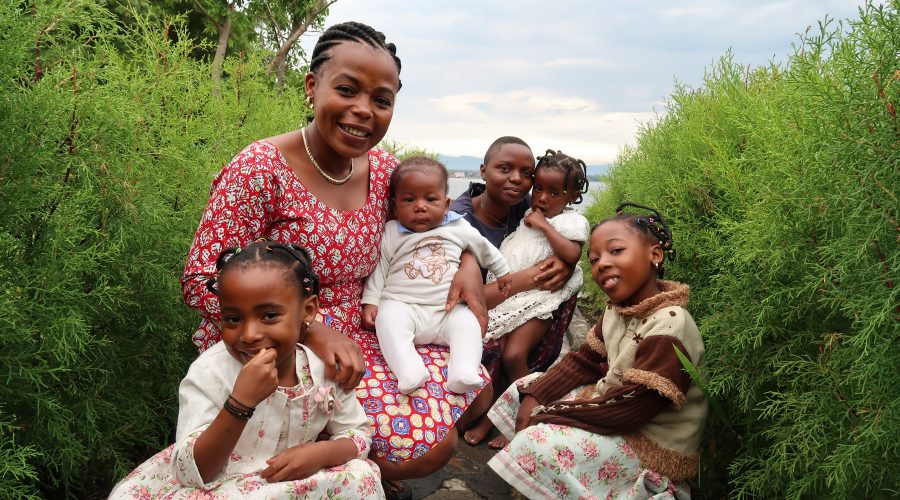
<point x="306" y="325"/>
<point x="656" y="265"/>
<point x="309" y="103"/>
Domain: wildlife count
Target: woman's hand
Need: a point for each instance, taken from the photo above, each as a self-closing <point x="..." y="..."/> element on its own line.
<point x="553" y="273"/>
<point x="342" y="356"/>
<point x="257" y="379"/>
<point x="467" y="285"/>
<point x="523" y="419"/>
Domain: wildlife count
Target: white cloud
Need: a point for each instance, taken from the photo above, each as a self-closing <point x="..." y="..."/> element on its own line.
<point x="579" y="75"/>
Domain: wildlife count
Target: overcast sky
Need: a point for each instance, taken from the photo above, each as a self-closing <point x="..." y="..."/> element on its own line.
<point x="576" y="75"/>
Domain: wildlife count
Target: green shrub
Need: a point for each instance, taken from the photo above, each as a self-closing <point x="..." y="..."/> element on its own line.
<point x="105" y="167"/>
<point x="781" y="184"/>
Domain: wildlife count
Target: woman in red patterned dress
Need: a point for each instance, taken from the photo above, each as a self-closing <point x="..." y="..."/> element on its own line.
<point x="325" y="188"/>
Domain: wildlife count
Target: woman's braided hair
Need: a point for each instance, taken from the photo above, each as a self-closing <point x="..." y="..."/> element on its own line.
<point x="574" y="169"/>
<point x="296" y="259"/>
<point x="652" y="225"/>
<point x="350" y="31"/>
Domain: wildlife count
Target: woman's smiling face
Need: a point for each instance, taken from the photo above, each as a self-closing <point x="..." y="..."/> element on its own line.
<point x="507" y="174"/>
<point x="353" y="93"/>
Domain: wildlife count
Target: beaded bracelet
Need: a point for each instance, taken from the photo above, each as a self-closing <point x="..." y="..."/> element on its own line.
<point x="240" y="413"/>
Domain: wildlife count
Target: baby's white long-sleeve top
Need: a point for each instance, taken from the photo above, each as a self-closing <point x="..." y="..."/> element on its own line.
<point x="417" y="268"/>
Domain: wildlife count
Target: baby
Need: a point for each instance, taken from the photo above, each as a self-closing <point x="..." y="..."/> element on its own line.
<point x="404" y="298"/>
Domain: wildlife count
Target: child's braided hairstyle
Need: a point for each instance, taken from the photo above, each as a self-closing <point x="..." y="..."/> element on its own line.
<point x="653" y="226"/>
<point x="574" y="169"/>
<point x="297" y="259"/>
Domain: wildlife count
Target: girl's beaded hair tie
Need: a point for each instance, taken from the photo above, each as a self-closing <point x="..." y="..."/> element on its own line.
<point x="655" y="224"/>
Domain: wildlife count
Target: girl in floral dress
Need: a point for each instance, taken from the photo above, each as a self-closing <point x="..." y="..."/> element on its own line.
<point x="619" y="418"/>
<point x="253" y="404"/>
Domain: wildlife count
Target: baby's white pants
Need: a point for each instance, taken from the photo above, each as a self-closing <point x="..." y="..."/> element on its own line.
<point x="401" y="326"/>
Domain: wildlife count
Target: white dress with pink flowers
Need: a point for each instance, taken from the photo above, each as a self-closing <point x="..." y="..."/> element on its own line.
<point x="558" y="461"/>
<point x="288" y="417"/>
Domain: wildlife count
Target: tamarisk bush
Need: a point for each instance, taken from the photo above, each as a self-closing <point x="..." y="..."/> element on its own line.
<point x="110" y="141"/>
<point x="782" y="184"/>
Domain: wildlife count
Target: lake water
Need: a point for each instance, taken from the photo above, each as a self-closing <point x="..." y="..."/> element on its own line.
<point x="458" y="186"/>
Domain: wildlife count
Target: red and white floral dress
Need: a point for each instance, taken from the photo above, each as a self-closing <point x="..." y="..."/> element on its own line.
<point x="258" y="195"/>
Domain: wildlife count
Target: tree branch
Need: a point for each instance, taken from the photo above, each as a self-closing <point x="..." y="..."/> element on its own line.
<point x="272" y="20"/>
<point x="206" y="13"/>
<point x="314" y="13"/>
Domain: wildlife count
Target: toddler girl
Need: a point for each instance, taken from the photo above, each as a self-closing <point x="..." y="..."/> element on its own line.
<point x="619" y="418"/>
<point x="252" y="405"/>
<point x="550" y="227"/>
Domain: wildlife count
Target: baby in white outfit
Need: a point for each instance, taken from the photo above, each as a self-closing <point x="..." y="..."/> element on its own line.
<point x="404" y="298"/>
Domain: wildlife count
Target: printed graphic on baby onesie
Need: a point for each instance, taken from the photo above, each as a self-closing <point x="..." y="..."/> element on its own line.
<point x="429" y="260"/>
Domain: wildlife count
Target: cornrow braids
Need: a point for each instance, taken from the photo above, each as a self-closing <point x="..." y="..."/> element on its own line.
<point x="653" y="226"/>
<point x="294" y="258"/>
<point x="574" y="169"/>
<point x="350" y="31"/>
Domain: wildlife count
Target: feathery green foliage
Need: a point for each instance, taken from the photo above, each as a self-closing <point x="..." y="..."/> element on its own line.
<point x="110" y="145"/>
<point x="781" y="183"/>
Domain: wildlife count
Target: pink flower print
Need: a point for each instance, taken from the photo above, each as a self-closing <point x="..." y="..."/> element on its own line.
<point x="626" y="450"/>
<point x="527" y="463"/>
<point x="166" y="454"/>
<point x="584" y="479"/>
<point x="538" y="434"/>
<point x="613" y="493"/>
<point x="609" y="470"/>
<point x="140" y="493"/>
<point x="368" y="485"/>
<point x="589" y="449"/>
<point x="250" y="485"/>
<point x="261" y="433"/>
<point x="200" y="495"/>
<point x="560" y="487"/>
<point x="653" y="478"/>
<point x="301" y="487"/>
<point x="565" y="458"/>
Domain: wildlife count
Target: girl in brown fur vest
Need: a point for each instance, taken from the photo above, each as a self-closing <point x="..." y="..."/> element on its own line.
<point x="619" y="418"/>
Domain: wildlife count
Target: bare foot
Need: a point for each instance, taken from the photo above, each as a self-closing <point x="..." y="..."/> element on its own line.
<point x="498" y="443"/>
<point x="478" y="432"/>
<point x="396" y="490"/>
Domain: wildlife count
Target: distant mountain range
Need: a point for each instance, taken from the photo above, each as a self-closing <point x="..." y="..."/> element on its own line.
<point x="473" y="163"/>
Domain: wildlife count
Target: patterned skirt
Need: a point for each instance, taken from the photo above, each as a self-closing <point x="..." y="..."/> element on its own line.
<point x="557" y="461"/>
<point x="155" y="478"/>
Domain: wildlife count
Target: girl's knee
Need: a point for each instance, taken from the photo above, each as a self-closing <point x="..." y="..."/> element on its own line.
<point x="513" y="357"/>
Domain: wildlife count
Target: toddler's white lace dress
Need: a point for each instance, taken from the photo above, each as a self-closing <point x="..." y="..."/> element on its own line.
<point x="524" y="248"/>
